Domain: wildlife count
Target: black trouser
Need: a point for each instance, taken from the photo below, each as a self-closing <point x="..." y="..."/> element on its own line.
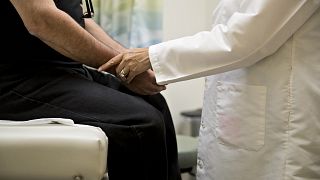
<point x="142" y="142"/>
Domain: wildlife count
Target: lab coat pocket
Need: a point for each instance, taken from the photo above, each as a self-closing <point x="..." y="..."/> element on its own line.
<point x="240" y="115"/>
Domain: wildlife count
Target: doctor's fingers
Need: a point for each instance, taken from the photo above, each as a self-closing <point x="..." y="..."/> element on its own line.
<point x="137" y="67"/>
<point x="123" y="66"/>
<point x="133" y="73"/>
<point x="127" y="68"/>
<point x="111" y="63"/>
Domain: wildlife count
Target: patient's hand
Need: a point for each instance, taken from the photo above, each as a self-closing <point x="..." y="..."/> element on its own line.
<point x="145" y="84"/>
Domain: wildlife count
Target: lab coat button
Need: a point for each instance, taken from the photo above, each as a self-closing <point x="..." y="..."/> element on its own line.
<point x="200" y="163"/>
<point x="202" y="125"/>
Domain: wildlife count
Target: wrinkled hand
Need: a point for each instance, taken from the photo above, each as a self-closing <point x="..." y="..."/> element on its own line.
<point x="145" y="84"/>
<point x="129" y="64"/>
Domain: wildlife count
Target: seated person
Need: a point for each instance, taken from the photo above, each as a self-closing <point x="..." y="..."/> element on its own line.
<point x="46" y="77"/>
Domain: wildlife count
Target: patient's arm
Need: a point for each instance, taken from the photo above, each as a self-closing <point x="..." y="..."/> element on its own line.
<point x="58" y="30"/>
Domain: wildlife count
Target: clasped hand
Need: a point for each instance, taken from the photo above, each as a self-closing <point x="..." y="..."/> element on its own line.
<point x="133" y="67"/>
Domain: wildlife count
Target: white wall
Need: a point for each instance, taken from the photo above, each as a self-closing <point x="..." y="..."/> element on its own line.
<point x="183" y="18"/>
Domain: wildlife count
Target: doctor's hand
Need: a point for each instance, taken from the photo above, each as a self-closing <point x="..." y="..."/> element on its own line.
<point x="129" y="64"/>
<point x="145" y="84"/>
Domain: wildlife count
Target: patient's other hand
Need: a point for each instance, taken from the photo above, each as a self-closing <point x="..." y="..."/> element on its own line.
<point x="145" y="84"/>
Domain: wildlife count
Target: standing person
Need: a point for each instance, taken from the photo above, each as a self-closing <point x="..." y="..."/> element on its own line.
<point x="45" y="77"/>
<point x="261" y="118"/>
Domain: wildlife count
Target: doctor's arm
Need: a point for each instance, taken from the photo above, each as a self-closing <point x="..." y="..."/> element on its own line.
<point x="252" y="33"/>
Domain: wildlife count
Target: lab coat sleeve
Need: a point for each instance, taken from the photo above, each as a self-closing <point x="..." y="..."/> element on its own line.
<point x="257" y="29"/>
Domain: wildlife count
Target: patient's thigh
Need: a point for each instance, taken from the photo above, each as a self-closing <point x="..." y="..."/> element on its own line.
<point x="70" y="94"/>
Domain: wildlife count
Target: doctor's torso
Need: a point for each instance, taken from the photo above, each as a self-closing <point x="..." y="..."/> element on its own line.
<point x="262" y="122"/>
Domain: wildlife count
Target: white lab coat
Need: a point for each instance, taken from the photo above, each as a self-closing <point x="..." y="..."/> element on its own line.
<point x="261" y="112"/>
